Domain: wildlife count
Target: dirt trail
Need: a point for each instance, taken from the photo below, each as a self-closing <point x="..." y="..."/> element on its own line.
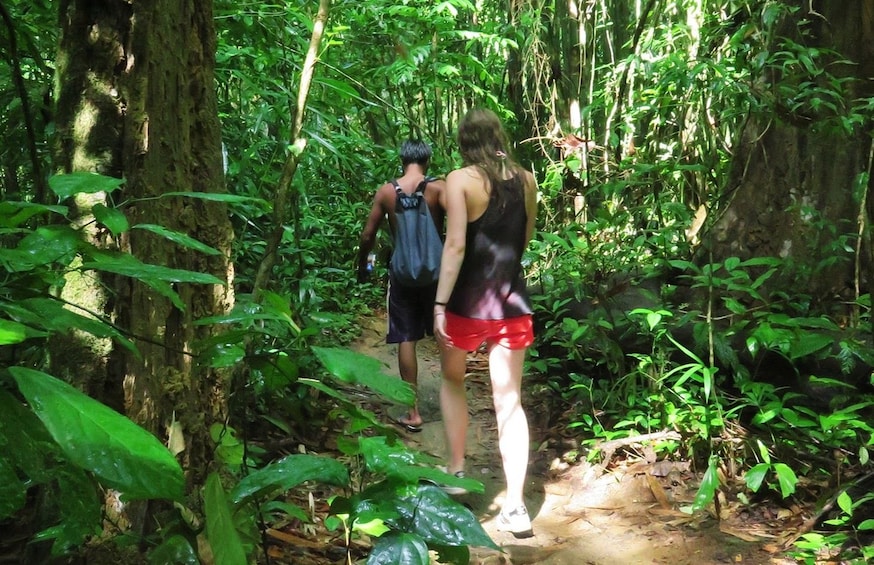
<point x="581" y="515"/>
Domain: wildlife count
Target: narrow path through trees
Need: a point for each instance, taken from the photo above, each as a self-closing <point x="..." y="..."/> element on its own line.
<point x="582" y="514"/>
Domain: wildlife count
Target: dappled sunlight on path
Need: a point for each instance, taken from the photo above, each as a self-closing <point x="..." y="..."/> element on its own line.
<point x="581" y="514"/>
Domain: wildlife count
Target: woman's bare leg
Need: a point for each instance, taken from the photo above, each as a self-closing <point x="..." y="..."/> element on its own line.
<point x="505" y="370"/>
<point x="453" y="405"/>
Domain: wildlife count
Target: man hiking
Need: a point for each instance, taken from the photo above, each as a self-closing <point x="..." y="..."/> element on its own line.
<point x="410" y="304"/>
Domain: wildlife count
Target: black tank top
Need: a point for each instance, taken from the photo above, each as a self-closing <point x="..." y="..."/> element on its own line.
<point x="490" y="284"/>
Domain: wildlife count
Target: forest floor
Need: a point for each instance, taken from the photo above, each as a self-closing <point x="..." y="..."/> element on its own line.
<point x="625" y="513"/>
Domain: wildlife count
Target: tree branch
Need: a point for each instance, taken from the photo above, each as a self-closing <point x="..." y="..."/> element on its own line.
<point x="284" y="191"/>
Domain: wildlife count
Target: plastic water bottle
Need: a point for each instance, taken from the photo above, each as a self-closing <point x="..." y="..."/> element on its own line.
<point x="371" y="262"/>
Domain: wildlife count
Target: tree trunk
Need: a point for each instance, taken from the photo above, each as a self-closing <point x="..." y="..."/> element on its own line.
<point x="794" y="173"/>
<point x="137" y="100"/>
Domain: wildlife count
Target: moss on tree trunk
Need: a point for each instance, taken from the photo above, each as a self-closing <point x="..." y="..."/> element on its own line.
<point x="137" y="100"/>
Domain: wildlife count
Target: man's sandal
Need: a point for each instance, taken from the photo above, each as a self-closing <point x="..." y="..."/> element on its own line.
<point x="412" y="428"/>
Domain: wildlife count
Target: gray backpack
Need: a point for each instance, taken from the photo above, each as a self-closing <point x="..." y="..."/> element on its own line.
<point x="415" y="260"/>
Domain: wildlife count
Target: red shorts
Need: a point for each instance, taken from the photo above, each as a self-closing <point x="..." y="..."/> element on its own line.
<point x="470" y="333"/>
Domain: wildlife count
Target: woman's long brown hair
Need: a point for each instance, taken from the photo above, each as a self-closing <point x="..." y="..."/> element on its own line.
<point x="484" y="144"/>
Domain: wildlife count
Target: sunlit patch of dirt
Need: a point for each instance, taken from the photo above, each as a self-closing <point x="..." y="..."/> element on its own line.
<point x="627" y="513"/>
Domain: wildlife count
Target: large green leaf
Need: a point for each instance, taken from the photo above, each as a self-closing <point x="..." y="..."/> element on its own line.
<point x="121" y="454"/>
<point x="355" y="368"/>
<point x="65" y="186"/>
<point x="227" y="548"/>
<point x="397" y="460"/>
<point x="130" y="266"/>
<point x="434" y="515"/>
<point x="237" y="316"/>
<point x="43" y="246"/>
<point x="52" y="315"/>
<point x="114" y="219"/>
<point x="260" y="203"/>
<point x="342" y="88"/>
<point x="12" y="332"/>
<point x="399" y="548"/>
<point x="289" y="472"/>
<point x="14" y="214"/>
<point x="438" y="476"/>
<point x="809" y="343"/>
<point x="165" y="289"/>
<point x="180" y="238"/>
<point x="176" y="550"/>
<point x="359" y="418"/>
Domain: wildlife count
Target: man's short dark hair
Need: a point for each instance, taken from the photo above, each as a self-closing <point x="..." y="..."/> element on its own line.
<point x="415" y="151"/>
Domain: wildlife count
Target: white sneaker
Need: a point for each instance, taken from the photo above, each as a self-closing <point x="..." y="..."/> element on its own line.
<point x="516" y="522"/>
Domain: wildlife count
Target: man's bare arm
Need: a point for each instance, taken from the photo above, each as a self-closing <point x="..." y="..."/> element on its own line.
<point x="368" y="235"/>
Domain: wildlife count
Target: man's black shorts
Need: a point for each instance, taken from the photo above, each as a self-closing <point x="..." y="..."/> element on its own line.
<point x="410" y="312"/>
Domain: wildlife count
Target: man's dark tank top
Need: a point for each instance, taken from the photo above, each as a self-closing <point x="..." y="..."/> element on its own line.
<point x="490" y="284"/>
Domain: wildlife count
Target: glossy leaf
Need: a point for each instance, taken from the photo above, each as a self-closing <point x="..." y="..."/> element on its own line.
<point x="179" y="238"/>
<point x="437" y="518"/>
<point x="215" y="196"/>
<point x="54" y="316"/>
<point x="355" y="368"/>
<point x="222" y="197"/>
<point x="96" y="438"/>
<point x="44" y="246"/>
<point x="165" y="289"/>
<point x="732" y="263"/>
<point x="809" y="343"/>
<point x="373" y="528"/>
<point x="342" y="88"/>
<point x="226" y="355"/>
<point x="289" y="472"/>
<point x="14" y="213"/>
<point x="175" y="549"/>
<point x="114" y="220"/>
<point x="397" y="460"/>
<point x="11" y="332"/>
<point x="130" y="266"/>
<point x="399" y="548"/>
<point x="67" y="185"/>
